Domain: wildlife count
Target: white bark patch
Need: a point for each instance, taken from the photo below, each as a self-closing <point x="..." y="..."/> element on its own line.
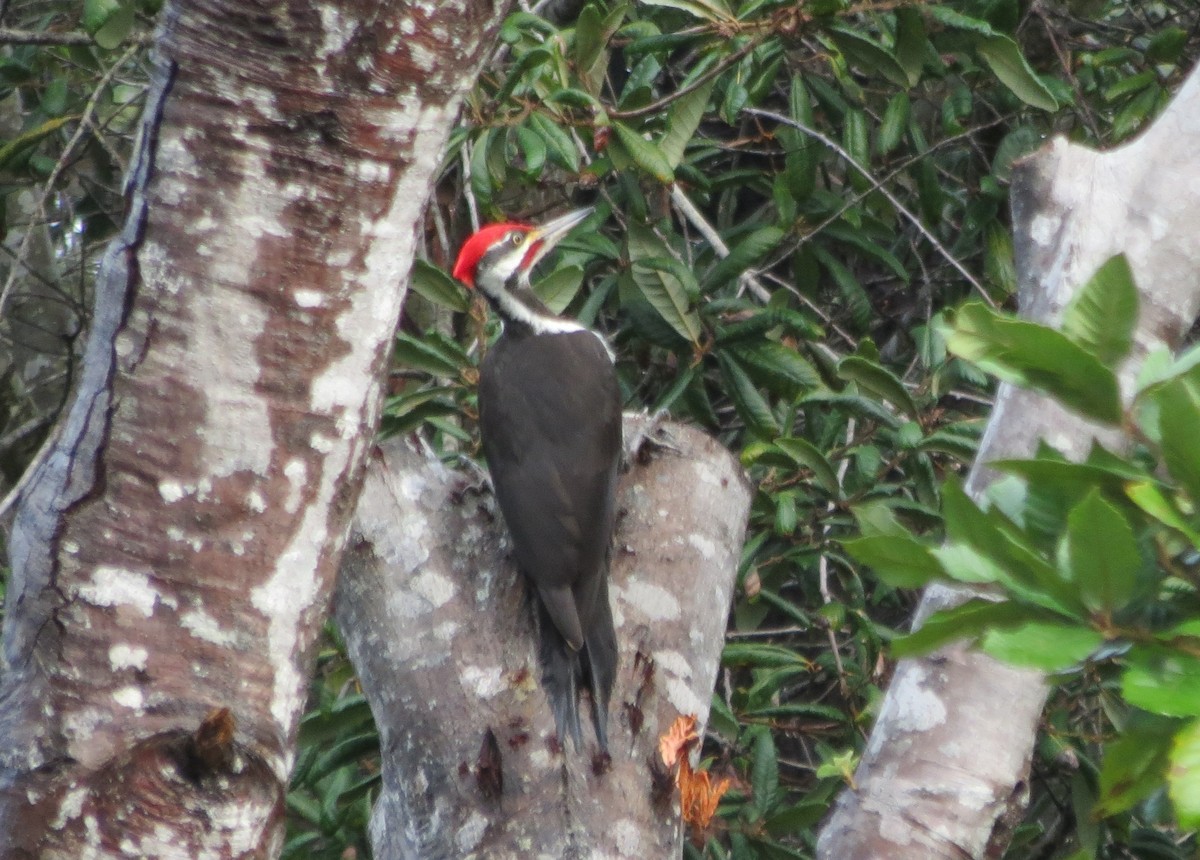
<point x="309" y="298"/>
<point x="122" y="656"/>
<point x="116" y="586"/>
<point x="336" y="33"/>
<point x="373" y="311"/>
<point x="434" y="587"/>
<point x="236" y="431"/>
<point x="296" y="472"/>
<point x="203" y="626"/>
<point x="908" y="708"/>
<point x="1044" y="230"/>
<point x="81" y="727"/>
<point x="678" y="685"/>
<point x="704" y="545"/>
<point x="129" y="697"/>
<point x="171" y="491"/>
<point x="471" y="833"/>
<point x="628" y="837"/>
<point x="71" y="806"/>
<point x="652" y="601"/>
<point x="485" y="682"/>
<point x="292" y="589"/>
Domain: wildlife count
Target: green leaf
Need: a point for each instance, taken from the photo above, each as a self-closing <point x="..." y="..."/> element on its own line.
<point x="1135" y="763"/>
<point x="1148" y="496"/>
<point x="1035" y="356"/>
<point x="895" y="123"/>
<point x="1102" y="553"/>
<point x="805" y="454"/>
<point x="1183" y="779"/>
<point x="802" y="155"/>
<point x="912" y="44"/>
<point x="436" y="287"/>
<point x="998" y="263"/>
<point x="1101" y="316"/>
<point x="764" y="773"/>
<point x="986" y="545"/>
<point x="23" y="142"/>
<point x="433" y="354"/>
<point x="1166" y="46"/>
<point x="869" y="56"/>
<point x="97" y="12"/>
<point x="857" y="141"/>
<point x="557" y="289"/>
<point x="966" y="621"/>
<point x="533" y="150"/>
<point x="759" y="655"/>
<point x="1006" y="61"/>
<point x="1163" y="681"/>
<point x="527" y="63"/>
<point x="749" y="403"/>
<point x="1178" y="419"/>
<point x="1049" y="646"/>
<point x="878" y="380"/>
<point x="645" y="154"/>
<point x="878" y="518"/>
<point x="900" y="561"/>
<point x="954" y="20"/>
<point x="780" y="366"/>
<point x="682" y="121"/>
<point x="559" y="145"/>
<point x="745" y="253"/>
<point x="661" y="281"/>
<point x="481" y="179"/>
<point x="857" y="302"/>
<point x="706" y="10"/>
<point x="116" y="27"/>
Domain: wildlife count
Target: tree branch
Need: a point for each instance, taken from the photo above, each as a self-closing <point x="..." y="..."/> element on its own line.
<point x="945" y="771"/>
<point x="438" y="626"/>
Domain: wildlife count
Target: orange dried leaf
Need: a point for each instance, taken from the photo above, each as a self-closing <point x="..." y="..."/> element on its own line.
<point x="673" y="745"/>
<point x="698" y="795"/>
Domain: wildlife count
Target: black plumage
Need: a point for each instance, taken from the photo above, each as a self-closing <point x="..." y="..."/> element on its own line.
<point x="550" y="418"/>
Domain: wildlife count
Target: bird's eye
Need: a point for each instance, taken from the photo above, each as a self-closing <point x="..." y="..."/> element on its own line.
<point x="517" y="238"/>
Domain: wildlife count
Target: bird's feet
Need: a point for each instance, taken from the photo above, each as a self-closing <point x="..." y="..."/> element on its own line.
<point x="647" y="433"/>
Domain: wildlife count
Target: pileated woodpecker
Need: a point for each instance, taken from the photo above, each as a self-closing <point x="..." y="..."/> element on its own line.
<point x="550" y="418"/>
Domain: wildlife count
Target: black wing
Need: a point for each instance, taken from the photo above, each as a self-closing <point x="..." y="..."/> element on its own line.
<point x="550" y="416"/>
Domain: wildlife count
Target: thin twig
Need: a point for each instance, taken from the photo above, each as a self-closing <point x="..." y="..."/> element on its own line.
<point x="695" y="217"/>
<point x="823" y="567"/>
<point x="74" y="38"/>
<point x="67" y="154"/>
<point x="711" y="74"/>
<point x="900" y="207"/>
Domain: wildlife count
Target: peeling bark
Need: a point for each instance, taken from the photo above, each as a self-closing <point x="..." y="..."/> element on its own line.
<point x="174" y="554"/>
<point x="437" y="623"/>
<point x="944" y="774"/>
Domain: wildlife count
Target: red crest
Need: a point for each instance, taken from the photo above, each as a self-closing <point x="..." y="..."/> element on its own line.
<point x="474" y="248"/>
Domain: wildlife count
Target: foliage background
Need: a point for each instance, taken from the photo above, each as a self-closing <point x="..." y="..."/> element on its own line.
<point x="790" y="198"/>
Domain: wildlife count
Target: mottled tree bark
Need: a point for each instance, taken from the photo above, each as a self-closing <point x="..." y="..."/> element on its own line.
<point x="173" y="555"/>
<point x="436" y="620"/>
<point x="944" y="774"/>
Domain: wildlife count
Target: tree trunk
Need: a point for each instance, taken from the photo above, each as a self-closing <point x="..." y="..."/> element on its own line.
<point x="438" y="625"/>
<point x="945" y="770"/>
<point x="173" y="555"/>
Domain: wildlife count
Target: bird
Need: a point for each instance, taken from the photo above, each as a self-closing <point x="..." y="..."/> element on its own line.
<point x="550" y="426"/>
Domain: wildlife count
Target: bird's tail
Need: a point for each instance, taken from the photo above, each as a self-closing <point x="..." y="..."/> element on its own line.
<point x="566" y="671"/>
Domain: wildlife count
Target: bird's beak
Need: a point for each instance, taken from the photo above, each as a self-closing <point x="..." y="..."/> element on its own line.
<point x="541" y="240"/>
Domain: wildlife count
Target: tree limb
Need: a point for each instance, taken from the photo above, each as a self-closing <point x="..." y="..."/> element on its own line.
<point x="438" y="626"/>
<point x="945" y="770"/>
